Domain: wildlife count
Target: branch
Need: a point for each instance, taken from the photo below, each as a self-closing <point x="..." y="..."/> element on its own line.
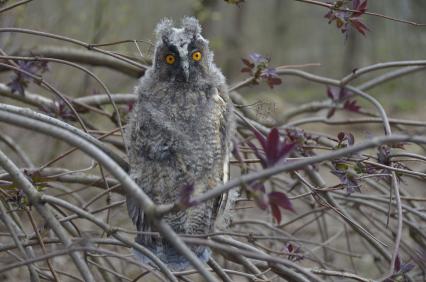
<point x="74" y="137"/>
<point x="55" y="122"/>
<point x="86" y="57"/>
<point x="327" y="272"/>
<point x="14" y="5"/>
<point x="331" y="6"/>
<point x="88" y="72"/>
<point x="299" y="164"/>
<point x="73" y="41"/>
<point x="8" y="223"/>
<point x="110" y="231"/>
<point x="34" y="197"/>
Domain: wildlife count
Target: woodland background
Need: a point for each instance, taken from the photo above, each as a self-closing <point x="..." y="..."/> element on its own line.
<point x="289" y="33"/>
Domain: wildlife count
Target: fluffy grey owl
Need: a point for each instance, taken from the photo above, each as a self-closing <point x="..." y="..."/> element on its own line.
<point x="179" y="136"/>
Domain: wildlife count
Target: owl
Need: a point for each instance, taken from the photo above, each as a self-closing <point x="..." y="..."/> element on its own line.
<point x="179" y="137"/>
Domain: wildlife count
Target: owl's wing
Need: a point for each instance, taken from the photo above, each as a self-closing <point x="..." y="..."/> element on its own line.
<point x="137" y="144"/>
<point x="226" y="200"/>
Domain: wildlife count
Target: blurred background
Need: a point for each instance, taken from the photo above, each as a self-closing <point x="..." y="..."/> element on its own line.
<point x="289" y="32"/>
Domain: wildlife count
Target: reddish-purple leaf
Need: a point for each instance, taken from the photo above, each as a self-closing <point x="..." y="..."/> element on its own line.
<point x="280" y="199"/>
<point x="352" y="106"/>
<point x="246" y="69"/>
<point x="247" y="63"/>
<point x="271" y="150"/>
<point x="271" y="77"/>
<point x="276" y="213"/>
<point x="360" y="6"/>
<point x="397" y="264"/>
<point x="343" y="16"/>
<point x="274" y="150"/>
<point x="271" y="81"/>
<point x="358" y="25"/>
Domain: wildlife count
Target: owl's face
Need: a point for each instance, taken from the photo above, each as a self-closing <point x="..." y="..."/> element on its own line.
<point x="182" y="54"/>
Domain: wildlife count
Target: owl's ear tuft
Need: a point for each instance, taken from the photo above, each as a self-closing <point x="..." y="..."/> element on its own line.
<point x="163" y="28"/>
<point x="191" y="25"/>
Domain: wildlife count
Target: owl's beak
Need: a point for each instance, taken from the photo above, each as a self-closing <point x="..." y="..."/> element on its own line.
<point x="185" y="70"/>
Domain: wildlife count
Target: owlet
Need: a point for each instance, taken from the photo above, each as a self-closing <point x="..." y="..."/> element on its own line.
<point x="179" y="136"/>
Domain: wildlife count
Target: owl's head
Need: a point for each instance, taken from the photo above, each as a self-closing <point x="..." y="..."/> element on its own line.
<point x="181" y="54"/>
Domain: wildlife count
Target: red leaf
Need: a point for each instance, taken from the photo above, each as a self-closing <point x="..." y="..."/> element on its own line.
<point x="361" y="7"/>
<point x="273" y="142"/>
<point x="276" y="213"/>
<point x="273" y="81"/>
<point x="246" y="69"/>
<point x="280" y="199"/>
<point x="358" y="25"/>
<point x="274" y="149"/>
<point x="352" y="106"/>
<point x="247" y="63"/>
<point x="397" y="264"/>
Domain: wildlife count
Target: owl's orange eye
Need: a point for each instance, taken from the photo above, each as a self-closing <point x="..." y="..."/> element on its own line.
<point x="196" y="56"/>
<point x="170" y="59"/>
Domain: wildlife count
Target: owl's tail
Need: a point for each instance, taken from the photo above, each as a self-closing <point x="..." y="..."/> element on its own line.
<point x="171" y="257"/>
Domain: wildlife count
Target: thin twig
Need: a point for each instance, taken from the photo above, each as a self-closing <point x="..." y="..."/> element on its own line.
<point x="14" y="5"/>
